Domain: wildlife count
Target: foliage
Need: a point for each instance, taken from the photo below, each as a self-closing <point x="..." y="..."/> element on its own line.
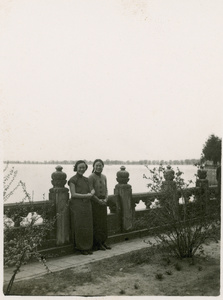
<point x="156" y="179"/>
<point x="8" y="180"/>
<point x="185" y="225"/>
<point x="212" y="149"/>
<point x="21" y="243"/>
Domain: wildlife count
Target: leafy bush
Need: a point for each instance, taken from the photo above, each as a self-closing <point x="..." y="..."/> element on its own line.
<point x="21" y="242"/>
<point x="185" y="224"/>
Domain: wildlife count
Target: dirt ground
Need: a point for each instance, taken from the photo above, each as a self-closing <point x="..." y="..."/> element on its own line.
<point x="139" y="273"/>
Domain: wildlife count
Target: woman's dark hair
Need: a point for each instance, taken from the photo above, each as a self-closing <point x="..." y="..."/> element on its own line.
<point x="80" y="162"/>
<point x="97" y="160"/>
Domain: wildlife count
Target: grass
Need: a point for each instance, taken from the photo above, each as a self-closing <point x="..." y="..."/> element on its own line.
<point x="51" y="282"/>
<point x="141" y="274"/>
<point x="61" y="280"/>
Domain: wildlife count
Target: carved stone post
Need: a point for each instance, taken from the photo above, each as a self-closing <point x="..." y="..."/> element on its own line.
<point x="203" y="184"/>
<point x="60" y="196"/>
<point x="170" y="188"/>
<point x="124" y="192"/>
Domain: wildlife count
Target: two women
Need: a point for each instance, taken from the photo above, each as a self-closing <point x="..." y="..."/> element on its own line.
<point x="88" y="208"/>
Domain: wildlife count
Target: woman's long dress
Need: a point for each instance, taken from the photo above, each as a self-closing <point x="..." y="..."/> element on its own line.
<point x="99" y="184"/>
<point x="81" y="215"/>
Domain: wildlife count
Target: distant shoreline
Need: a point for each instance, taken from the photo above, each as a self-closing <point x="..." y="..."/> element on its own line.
<point x="111" y="162"/>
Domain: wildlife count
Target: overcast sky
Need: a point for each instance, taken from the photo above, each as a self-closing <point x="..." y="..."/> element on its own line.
<point x="120" y="79"/>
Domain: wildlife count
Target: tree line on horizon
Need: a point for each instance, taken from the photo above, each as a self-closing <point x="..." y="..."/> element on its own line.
<point x="212" y="151"/>
<point x="112" y="162"/>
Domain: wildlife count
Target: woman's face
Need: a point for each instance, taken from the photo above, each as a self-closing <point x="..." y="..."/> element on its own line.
<point x="81" y="168"/>
<point x="98" y="167"/>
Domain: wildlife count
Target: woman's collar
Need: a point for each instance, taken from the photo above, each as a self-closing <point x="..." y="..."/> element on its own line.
<point x="97" y="173"/>
<point x="79" y="175"/>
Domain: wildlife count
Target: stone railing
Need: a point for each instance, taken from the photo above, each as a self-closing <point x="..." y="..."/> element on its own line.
<point x="124" y="221"/>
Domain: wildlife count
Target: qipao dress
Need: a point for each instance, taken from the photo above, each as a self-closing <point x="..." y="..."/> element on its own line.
<point x="98" y="182"/>
<point x="81" y="214"/>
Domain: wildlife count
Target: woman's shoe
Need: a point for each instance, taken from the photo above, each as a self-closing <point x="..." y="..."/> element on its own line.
<point x="106" y="246"/>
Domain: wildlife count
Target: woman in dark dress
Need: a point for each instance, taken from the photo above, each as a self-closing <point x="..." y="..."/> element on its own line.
<point x="81" y="209"/>
<point x="98" y="183"/>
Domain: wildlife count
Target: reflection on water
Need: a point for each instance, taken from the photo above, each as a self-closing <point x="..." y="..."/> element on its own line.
<point x="38" y="178"/>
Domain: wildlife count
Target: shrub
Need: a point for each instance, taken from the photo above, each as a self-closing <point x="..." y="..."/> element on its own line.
<point x="186" y="225"/>
<point x="21" y="243"/>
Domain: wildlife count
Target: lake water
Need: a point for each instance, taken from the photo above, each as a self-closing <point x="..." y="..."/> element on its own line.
<point x="37" y="178"/>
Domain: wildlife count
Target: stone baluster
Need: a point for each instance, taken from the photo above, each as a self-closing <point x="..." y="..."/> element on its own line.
<point x="202" y="183"/>
<point x="59" y="196"/>
<point x="170" y="188"/>
<point x="127" y="206"/>
<point x="169" y="185"/>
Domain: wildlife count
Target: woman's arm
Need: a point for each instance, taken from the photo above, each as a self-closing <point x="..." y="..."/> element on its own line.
<point x="92" y="192"/>
<point x="94" y="198"/>
<point x="106" y="195"/>
<point x="77" y="195"/>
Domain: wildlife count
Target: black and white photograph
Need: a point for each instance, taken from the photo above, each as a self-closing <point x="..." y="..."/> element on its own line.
<point x="111" y="145"/>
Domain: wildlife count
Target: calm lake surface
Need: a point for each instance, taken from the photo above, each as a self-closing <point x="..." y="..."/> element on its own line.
<point x="37" y="178"/>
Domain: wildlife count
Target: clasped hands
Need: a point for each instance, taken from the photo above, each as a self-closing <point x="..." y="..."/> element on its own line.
<point x="101" y="201"/>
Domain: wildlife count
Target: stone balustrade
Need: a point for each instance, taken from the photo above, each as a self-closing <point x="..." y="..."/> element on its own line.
<point x="124" y="221"/>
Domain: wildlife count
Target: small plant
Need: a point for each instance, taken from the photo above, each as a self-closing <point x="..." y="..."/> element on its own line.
<point x="200" y="268"/>
<point x="159" y="276"/>
<point x="169" y="272"/>
<point x="136" y="286"/>
<point x="122" y="292"/>
<point x="178" y="267"/>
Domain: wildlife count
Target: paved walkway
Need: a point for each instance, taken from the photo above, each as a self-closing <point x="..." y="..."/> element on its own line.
<point x="36" y="269"/>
